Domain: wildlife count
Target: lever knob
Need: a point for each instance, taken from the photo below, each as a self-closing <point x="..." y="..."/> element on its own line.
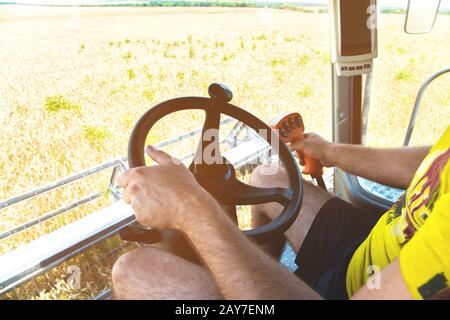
<point x="220" y="91"/>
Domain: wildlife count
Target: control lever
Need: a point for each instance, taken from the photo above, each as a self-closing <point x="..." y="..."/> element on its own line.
<point x="291" y="129"/>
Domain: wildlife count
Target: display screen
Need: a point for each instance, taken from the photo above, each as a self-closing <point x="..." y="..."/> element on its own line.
<point x="355" y="32"/>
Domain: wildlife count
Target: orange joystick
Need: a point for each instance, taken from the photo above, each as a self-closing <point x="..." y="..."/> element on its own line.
<point x="291" y="128"/>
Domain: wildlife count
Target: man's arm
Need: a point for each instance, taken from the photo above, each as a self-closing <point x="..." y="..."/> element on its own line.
<point x="394" y="167"/>
<point x="391" y="166"/>
<point x="240" y="269"/>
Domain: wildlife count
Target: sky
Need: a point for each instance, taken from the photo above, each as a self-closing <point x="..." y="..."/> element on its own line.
<point x="445" y="4"/>
<point x="382" y="3"/>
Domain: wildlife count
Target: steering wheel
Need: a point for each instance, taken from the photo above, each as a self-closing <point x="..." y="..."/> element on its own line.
<point x="218" y="176"/>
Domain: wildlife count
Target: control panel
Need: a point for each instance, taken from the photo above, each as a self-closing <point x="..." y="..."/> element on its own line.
<point x="353" y="30"/>
<point x="346" y="69"/>
<point x="380" y="190"/>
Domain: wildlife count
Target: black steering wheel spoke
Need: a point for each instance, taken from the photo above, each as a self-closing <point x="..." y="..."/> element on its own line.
<point x="240" y="193"/>
<point x="208" y="150"/>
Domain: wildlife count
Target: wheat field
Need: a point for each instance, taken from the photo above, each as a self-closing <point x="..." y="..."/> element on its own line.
<point x="74" y="80"/>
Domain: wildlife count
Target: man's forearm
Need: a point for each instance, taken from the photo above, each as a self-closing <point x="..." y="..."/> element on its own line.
<point x="394" y="167"/>
<point x="239" y="267"/>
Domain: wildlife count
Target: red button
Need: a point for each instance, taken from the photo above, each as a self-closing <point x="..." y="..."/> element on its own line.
<point x="358" y="67"/>
<point x="367" y="66"/>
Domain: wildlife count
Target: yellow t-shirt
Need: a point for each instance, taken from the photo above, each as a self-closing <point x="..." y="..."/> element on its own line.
<point x="416" y="229"/>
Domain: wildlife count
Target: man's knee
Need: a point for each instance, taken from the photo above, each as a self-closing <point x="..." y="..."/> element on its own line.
<point x="125" y="269"/>
<point x="152" y="273"/>
<point x="119" y="270"/>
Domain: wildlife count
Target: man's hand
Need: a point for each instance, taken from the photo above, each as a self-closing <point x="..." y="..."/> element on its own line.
<point x="316" y="147"/>
<point x="166" y="195"/>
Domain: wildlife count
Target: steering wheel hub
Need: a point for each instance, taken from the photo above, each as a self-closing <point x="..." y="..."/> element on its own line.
<point x="216" y="173"/>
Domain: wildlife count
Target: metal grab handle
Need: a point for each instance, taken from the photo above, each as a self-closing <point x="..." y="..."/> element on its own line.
<point x="119" y="168"/>
<point x="424" y="85"/>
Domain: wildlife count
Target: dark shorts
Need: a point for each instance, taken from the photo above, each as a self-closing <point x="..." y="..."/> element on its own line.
<point x="337" y="231"/>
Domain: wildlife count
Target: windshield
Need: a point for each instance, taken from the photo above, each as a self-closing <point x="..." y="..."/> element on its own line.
<point x="77" y="78"/>
<point x="76" y="75"/>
